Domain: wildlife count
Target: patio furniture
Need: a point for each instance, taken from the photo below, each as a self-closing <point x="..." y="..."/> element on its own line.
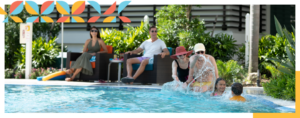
<point x="99" y="66"/>
<point x="119" y="62"/>
<point x="159" y="72"/>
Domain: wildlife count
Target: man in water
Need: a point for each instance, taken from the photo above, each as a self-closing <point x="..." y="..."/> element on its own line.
<point x="203" y="68"/>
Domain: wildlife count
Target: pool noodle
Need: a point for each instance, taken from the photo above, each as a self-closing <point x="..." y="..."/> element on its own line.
<point x="53" y="75"/>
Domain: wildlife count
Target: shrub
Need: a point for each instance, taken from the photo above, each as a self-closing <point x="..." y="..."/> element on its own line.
<point x="43" y="53"/>
<point x="287" y="65"/>
<point x="37" y="72"/>
<point x="175" y="27"/>
<point x="283" y="87"/>
<point x="124" y="41"/>
<point x="231" y="71"/>
<point x="8" y="73"/>
<point x="241" y="55"/>
<point x="222" y="46"/>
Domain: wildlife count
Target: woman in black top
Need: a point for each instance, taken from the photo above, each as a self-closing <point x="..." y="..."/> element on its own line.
<point x="180" y="66"/>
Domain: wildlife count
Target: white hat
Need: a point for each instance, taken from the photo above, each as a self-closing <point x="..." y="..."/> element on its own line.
<point x="199" y="47"/>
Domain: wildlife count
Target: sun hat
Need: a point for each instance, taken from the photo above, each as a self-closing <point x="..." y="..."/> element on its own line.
<point x="199" y="47"/>
<point x="180" y="51"/>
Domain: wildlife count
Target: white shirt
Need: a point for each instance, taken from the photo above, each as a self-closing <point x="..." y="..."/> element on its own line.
<point x="152" y="48"/>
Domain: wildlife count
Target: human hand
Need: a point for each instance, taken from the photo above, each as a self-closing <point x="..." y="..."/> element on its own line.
<point x="162" y="55"/>
<point x="129" y="52"/>
<point x="93" y="54"/>
<point x="184" y="85"/>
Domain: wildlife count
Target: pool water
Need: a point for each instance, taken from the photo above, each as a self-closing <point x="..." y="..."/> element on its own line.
<point x="108" y="99"/>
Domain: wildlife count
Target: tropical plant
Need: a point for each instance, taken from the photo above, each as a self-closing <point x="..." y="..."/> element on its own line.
<point x="43" y="53"/>
<point x="37" y="72"/>
<point x="126" y="40"/>
<point x="287" y="65"/>
<point x="8" y="73"/>
<point x="241" y="55"/>
<point x="222" y="46"/>
<point x="12" y="29"/>
<point x="274" y="72"/>
<point x="283" y="87"/>
<point x="231" y="71"/>
<point x="176" y="27"/>
<point x="20" y="74"/>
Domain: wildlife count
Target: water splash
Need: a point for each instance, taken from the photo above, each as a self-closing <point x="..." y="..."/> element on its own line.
<point x="199" y="74"/>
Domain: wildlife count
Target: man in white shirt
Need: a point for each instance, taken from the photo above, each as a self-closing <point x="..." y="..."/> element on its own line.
<point x="152" y="47"/>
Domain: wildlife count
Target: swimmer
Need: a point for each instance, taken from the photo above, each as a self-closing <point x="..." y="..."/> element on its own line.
<point x="236" y="91"/>
<point x="220" y="86"/>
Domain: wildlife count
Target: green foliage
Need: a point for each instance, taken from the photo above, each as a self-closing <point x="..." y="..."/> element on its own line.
<point x="275" y="73"/>
<point x="20" y="74"/>
<point x="37" y="72"/>
<point x="231" y="71"/>
<point x="124" y="41"/>
<point x="43" y="53"/>
<point x="283" y="87"/>
<point x="8" y="73"/>
<point x="175" y="28"/>
<point x="287" y="64"/>
<point x="12" y="35"/>
<point x="222" y="46"/>
<point x="241" y="55"/>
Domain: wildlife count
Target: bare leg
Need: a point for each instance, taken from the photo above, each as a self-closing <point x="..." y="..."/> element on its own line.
<point x="74" y="75"/>
<point x="141" y="69"/>
<point x="129" y="66"/>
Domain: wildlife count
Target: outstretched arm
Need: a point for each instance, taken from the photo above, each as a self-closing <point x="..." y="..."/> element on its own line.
<point x="191" y="73"/>
<point x="193" y="60"/>
<point x="174" y="71"/>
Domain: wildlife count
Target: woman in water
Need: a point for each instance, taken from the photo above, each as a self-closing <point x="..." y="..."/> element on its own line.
<point x="203" y="68"/>
<point x="180" y="66"/>
<point x="91" y="47"/>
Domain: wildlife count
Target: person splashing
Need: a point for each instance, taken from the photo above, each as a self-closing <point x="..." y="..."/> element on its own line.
<point x="203" y="71"/>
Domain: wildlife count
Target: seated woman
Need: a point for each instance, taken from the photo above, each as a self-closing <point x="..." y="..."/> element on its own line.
<point x="202" y="69"/>
<point x="91" y="47"/>
<point x="180" y="66"/>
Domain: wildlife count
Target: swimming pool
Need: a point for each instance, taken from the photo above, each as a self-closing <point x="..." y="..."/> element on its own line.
<point x="109" y="99"/>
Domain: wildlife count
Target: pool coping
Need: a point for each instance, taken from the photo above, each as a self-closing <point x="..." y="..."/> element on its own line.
<point x="256" y="92"/>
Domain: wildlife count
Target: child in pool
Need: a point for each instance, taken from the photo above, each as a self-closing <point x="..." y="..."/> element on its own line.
<point x="220" y="86"/>
<point x="236" y="91"/>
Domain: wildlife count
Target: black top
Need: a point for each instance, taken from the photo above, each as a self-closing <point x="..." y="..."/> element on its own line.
<point x="182" y="73"/>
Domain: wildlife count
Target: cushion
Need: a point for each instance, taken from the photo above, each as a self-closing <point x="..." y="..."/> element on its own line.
<point x="148" y="66"/>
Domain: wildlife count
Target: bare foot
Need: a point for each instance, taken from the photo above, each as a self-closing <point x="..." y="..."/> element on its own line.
<point x="69" y="79"/>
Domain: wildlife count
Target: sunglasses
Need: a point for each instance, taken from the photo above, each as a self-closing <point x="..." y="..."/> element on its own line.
<point x="154" y="31"/>
<point x="181" y="55"/>
<point x="200" y="52"/>
<point x="94" y="30"/>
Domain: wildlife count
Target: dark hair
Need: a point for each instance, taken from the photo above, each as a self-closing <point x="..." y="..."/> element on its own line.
<point x="152" y="27"/>
<point x="98" y="35"/>
<point x="217" y="81"/>
<point x="237" y="88"/>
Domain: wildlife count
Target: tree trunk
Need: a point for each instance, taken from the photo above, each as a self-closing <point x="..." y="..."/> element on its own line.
<point x="254" y="38"/>
<point x="188" y="12"/>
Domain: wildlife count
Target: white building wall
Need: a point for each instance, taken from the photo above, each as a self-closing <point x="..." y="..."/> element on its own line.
<point x="75" y="38"/>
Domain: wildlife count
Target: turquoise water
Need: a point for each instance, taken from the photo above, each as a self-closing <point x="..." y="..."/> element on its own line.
<point x="101" y="99"/>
